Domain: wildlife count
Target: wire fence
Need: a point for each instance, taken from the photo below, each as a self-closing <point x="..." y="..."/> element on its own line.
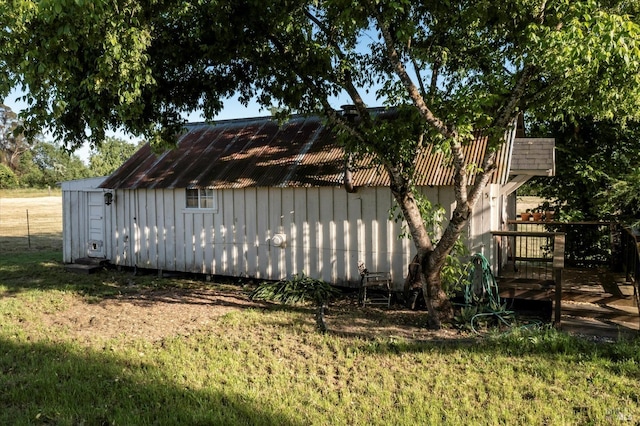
<point x="30" y="229"/>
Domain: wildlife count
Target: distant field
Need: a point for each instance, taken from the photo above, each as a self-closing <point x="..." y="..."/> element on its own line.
<point x="527" y="202"/>
<point x="30" y="223"/>
<point x="29" y="193"/>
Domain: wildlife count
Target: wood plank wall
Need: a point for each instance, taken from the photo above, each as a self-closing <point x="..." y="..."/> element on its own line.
<point x="328" y="231"/>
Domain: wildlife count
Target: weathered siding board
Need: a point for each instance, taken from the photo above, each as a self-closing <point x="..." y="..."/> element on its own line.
<point x="300" y="227"/>
<point x="313" y="245"/>
<point x="160" y="229"/>
<point x="250" y="216"/>
<point x="197" y="226"/>
<point x="218" y="236"/>
<point x="229" y="249"/>
<point x="381" y="236"/>
<point x="367" y="223"/>
<point x="326" y="234"/>
<point x="67" y="228"/>
<point x="116" y="248"/>
<point x="341" y="244"/>
<point x="190" y="237"/>
<point x="165" y="225"/>
<point x="181" y="236"/>
<point x="153" y="207"/>
<point x="262" y="234"/>
<point x="208" y="243"/>
<point x="109" y="226"/>
<point x="289" y="226"/>
<point x="353" y="232"/>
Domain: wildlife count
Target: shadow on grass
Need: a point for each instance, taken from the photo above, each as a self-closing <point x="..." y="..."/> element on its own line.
<point x="59" y="384"/>
<point x="346" y="320"/>
<point x="44" y="270"/>
<point x="15" y="245"/>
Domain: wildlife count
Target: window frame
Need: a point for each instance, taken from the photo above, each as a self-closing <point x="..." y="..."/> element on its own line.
<point x="205" y="198"/>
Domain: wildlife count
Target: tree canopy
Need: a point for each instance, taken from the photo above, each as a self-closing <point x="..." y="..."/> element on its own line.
<point x="447" y="67"/>
<point x="12" y="144"/>
<point x="92" y="65"/>
<point x="111" y="154"/>
<point x="596" y="170"/>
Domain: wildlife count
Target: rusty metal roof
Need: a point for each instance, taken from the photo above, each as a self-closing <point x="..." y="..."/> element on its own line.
<point x="259" y="153"/>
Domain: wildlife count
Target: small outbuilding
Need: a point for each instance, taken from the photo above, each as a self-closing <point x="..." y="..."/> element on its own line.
<point x="254" y="198"/>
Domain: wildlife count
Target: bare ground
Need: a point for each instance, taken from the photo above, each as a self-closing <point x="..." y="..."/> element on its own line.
<point x="154" y="315"/>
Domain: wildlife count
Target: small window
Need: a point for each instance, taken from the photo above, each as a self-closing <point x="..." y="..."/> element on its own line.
<point x="201" y="199"/>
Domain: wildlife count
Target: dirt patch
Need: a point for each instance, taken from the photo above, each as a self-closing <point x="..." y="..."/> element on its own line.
<point x="157" y="314"/>
<point x="149" y="314"/>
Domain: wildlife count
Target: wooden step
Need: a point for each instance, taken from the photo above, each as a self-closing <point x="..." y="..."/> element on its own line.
<point x="79" y="268"/>
<point x="600" y="298"/>
<point x="607" y="313"/>
<point x="86" y="265"/>
<point x="598" y="328"/>
<point x="99" y="261"/>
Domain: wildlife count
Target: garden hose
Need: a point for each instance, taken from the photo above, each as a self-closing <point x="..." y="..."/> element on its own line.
<point x="482" y="291"/>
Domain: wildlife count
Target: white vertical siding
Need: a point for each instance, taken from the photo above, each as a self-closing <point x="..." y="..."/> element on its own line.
<point x="250" y="232"/>
<point x="327" y="232"/>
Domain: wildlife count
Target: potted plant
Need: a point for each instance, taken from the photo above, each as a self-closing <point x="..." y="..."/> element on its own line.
<point x="537" y="215"/>
<point x="526" y="216"/>
<point x="548" y="211"/>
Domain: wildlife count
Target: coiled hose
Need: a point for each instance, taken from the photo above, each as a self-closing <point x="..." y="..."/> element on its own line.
<point x="482" y="292"/>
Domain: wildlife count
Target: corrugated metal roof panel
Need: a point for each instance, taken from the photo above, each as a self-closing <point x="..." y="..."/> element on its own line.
<point x="259" y="153"/>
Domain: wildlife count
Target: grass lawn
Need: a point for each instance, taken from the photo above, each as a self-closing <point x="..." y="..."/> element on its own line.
<point x="113" y="348"/>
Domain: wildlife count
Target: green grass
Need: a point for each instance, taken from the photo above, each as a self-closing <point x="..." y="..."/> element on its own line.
<point x="269" y="367"/>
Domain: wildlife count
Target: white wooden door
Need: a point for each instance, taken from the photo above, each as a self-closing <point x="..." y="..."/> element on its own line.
<point x="96" y="224"/>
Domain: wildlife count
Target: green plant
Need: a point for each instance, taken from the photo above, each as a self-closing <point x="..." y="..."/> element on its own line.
<point x="299" y="289"/>
<point x="454" y="272"/>
<point x="624" y="197"/>
<point x="8" y="178"/>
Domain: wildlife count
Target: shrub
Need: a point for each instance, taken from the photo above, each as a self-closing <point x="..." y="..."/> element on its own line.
<point x="8" y="179"/>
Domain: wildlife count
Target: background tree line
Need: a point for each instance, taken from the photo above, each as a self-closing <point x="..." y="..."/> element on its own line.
<point x="38" y="163"/>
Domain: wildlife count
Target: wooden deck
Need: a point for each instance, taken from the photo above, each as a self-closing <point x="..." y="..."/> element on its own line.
<point x="594" y="301"/>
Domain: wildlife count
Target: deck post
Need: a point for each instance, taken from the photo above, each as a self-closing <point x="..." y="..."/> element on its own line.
<point x="558" y="298"/>
<point x="558" y="266"/>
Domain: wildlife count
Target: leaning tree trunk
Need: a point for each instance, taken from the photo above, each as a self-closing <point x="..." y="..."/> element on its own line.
<point x="438" y="304"/>
<point x="431" y="261"/>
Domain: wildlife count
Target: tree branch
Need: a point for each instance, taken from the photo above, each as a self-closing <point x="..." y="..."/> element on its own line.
<point x="347" y="81"/>
<point x="504" y="120"/>
<point x="416" y="69"/>
<point x="401" y="72"/>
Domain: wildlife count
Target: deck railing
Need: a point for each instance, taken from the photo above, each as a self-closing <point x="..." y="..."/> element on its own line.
<point x="588" y="243"/>
<point x="630" y="250"/>
<point x="534" y="257"/>
<point x="525" y="255"/>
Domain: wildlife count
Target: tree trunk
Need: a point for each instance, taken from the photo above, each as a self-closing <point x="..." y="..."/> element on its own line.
<point x="438" y="303"/>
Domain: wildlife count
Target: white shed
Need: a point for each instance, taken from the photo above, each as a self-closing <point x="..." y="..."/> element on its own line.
<point x="252" y="198"/>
